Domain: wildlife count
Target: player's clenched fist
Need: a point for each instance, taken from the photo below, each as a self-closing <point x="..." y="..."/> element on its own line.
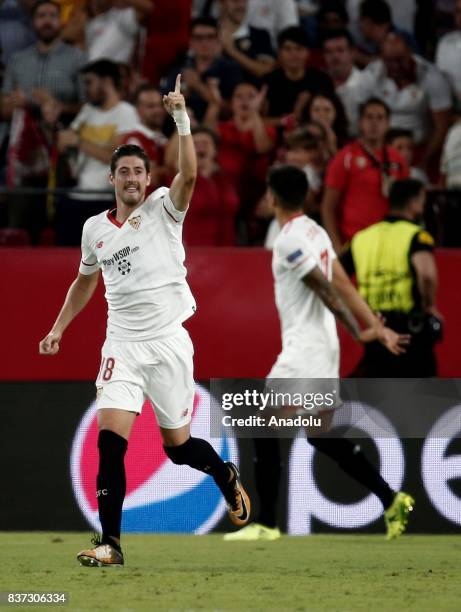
<point x="174" y="101"/>
<point x="50" y="344"/>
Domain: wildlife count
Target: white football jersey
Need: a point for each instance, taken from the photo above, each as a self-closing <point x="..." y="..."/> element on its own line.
<point x="142" y="263"/>
<point x="301" y="245"/>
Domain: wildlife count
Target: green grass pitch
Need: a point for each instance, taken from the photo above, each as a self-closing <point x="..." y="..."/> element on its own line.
<point x="324" y="572"/>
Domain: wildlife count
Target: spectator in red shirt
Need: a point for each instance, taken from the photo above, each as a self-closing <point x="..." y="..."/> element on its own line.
<point x="214" y="205"/>
<point x="245" y="145"/>
<point x="148" y="133"/>
<point x="359" y="176"/>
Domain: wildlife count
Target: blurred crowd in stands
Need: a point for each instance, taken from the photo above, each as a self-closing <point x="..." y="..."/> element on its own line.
<point x="357" y="93"/>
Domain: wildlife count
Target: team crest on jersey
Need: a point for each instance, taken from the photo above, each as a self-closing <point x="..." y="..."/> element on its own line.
<point x="135" y="222"/>
<point x="99" y="244"/>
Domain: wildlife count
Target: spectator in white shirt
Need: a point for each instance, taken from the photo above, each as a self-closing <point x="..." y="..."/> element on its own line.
<point x="448" y="55"/>
<point x="450" y="166"/>
<point x="96" y="131"/>
<point x="108" y="29"/>
<point x="417" y="93"/>
<point x="273" y="16"/>
<point x="338" y="51"/>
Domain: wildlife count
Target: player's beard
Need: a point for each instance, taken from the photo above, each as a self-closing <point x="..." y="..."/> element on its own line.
<point x="132" y="198"/>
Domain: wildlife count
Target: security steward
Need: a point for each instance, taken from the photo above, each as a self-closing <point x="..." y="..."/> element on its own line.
<point x="396" y="273"/>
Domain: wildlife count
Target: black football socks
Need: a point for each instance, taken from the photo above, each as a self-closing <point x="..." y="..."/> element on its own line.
<point x="200" y="455"/>
<point x="111" y="484"/>
<point x="351" y="460"/>
<point x="267" y="471"/>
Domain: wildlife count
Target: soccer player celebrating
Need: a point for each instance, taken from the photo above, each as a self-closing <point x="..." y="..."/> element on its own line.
<point x="311" y="289"/>
<point x="147" y="352"/>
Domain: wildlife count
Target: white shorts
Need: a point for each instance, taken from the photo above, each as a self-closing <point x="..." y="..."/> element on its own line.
<point x="160" y="370"/>
<point x="306" y="372"/>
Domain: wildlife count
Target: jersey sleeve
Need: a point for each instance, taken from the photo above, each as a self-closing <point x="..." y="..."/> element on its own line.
<point x="295" y="254"/>
<point x="89" y="262"/>
<point x="422" y="241"/>
<point x="170" y="214"/>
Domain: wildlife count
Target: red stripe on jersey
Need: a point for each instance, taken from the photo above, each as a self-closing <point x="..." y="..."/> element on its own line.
<point x="175" y="220"/>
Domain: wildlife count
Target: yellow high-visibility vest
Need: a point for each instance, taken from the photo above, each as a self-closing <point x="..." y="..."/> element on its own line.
<point x="381" y="256"/>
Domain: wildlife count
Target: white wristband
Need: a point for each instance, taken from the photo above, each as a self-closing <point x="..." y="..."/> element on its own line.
<point x="181" y="118"/>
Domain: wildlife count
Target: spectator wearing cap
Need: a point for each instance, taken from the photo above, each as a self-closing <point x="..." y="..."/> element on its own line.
<point x="204" y="61"/>
<point x="293" y="83"/>
<point x="250" y="47"/>
<point x="417" y="93"/>
<point x="359" y="177"/>
<point x="338" y="51"/>
<point x="448" y="55"/>
<point x="95" y="132"/>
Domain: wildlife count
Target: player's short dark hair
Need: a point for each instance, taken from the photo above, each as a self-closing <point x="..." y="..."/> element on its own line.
<point x="203" y="129"/>
<point x="377" y="11"/>
<point x="293" y="34"/>
<point x="339" y="33"/>
<point x="395" y="133"/>
<point x="129" y="150"/>
<point x="374" y="102"/>
<point x="40" y="3"/>
<point x="145" y="87"/>
<point x="402" y="192"/>
<point x="204" y="20"/>
<point x="104" y="68"/>
<point x="290" y="186"/>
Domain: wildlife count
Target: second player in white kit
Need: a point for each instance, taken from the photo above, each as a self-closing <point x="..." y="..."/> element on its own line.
<point x="311" y="289"/>
<point x="310" y="345"/>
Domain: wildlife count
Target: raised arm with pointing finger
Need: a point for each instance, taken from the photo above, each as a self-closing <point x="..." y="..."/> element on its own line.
<point x="183" y="184"/>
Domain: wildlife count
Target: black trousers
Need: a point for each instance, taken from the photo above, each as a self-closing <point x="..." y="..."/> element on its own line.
<point x="418" y="361"/>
